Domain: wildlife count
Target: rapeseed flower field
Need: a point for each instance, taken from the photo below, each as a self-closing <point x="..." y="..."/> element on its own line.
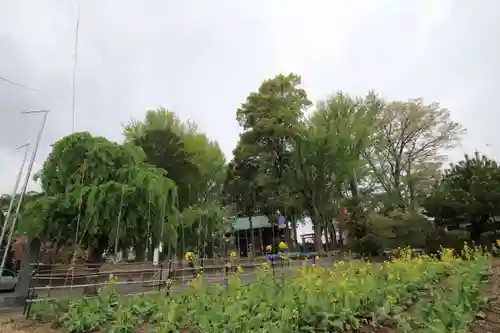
<point x="409" y="293"/>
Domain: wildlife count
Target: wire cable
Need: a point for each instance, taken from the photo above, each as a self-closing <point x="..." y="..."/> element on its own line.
<point x="75" y="62"/>
<point x="17" y="84"/>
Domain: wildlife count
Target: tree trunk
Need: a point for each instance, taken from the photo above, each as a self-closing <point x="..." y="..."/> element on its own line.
<point x="353" y="184"/>
<point x="252" y="237"/>
<point x="327" y="238"/>
<point x="478" y="228"/>
<point x="140" y="251"/>
<point x="29" y="263"/>
<point x="333" y="234"/>
<point x="356" y="201"/>
<point x="151" y="252"/>
<point x="413" y="204"/>
<point x="295" y="235"/>
<point x="163" y="255"/>
<point x="340" y="233"/>
<point x="93" y="262"/>
<point x="317" y="238"/>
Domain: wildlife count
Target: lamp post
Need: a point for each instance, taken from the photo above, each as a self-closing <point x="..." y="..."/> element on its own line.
<point x="25" y="185"/>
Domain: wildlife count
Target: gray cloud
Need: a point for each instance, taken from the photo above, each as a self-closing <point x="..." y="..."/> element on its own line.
<point x="202" y="58"/>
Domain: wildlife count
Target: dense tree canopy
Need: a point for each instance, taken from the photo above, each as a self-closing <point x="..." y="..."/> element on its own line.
<point x="407" y="150"/>
<point x="194" y="163"/>
<point x="101" y="195"/>
<point x="271" y="118"/>
<point x="467" y="196"/>
<point x="379" y="160"/>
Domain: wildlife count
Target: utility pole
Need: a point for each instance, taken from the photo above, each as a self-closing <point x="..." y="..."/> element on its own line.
<point x="25" y="185"/>
<point x="14" y="191"/>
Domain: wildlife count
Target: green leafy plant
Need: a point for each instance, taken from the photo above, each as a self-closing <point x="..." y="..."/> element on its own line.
<point x="441" y="293"/>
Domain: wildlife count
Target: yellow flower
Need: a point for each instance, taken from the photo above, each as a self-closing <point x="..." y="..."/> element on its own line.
<point x="269" y="248"/>
<point x="283" y="246"/>
<point x="391" y="300"/>
<point x="233" y="254"/>
<point x="189" y="256"/>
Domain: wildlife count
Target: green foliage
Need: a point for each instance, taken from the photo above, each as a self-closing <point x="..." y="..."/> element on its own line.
<point x="91" y="185"/>
<point x="349" y="296"/>
<point x="169" y="182"/>
<point x="165" y="150"/>
<point x="243" y="187"/>
<point x="195" y="164"/>
<point x="394" y="230"/>
<point x="467" y="196"/>
<point x="193" y="161"/>
<point x="407" y="150"/>
<point x="256" y="179"/>
<point x="327" y="154"/>
<point x="271" y="119"/>
<point x="366" y="153"/>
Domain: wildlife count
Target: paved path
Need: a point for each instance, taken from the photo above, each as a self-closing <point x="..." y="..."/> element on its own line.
<point x="138" y="287"/>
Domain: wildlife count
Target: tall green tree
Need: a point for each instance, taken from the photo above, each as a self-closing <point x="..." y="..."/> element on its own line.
<point x="326" y="158"/>
<point x="408" y="150"/>
<point x="468" y="195"/>
<point x="271" y="118"/>
<point x="194" y="162"/>
<point x="315" y="172"/>
<point x="5" y="201"/>
<point x="243" y="187"/>
<point x="101" y="195"/>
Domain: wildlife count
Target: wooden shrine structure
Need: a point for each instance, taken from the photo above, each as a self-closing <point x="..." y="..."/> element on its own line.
<point x="265" y="233"/>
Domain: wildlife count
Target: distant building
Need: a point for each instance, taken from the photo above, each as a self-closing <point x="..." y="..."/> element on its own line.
<point x="264" y="233"/>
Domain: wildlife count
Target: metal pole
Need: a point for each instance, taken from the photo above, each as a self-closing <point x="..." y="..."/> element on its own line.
<point x="14" y="192"/>
<point x="25" y="185"/>
<point x="75" y="62"/>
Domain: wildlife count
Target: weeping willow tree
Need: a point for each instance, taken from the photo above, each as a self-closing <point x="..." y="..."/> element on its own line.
<point x="102" y="196"/>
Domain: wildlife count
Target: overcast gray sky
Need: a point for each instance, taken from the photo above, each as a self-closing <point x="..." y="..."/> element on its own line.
<point x="201" y="58"/>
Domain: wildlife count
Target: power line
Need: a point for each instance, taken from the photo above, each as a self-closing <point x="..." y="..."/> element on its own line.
<point x="20" y="85"/>
<point x="75" y="62"/>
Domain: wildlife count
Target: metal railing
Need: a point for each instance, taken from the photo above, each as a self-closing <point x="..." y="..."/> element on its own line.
<point x="52" y="282"/>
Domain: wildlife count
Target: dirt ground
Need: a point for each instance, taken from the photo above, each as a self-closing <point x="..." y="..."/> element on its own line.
<point x="487" y="321"/>
<point x="17" y="323"/>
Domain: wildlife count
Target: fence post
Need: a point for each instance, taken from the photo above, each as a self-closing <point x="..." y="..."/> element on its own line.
<point x="272" y="265"/>
<point x="170" y="277"/>
<point x="28" y="302"/>
<point x="281" y="264"/>
<point x="161" y="276"/>
<point x="226" y="271"/>
<point x="30" y="257"/>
